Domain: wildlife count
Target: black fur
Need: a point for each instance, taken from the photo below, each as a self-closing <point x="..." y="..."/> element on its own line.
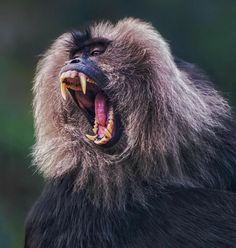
<point x="173" y="217"/>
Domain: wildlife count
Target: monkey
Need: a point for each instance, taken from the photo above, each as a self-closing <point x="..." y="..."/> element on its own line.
<point x="137" y="147"/>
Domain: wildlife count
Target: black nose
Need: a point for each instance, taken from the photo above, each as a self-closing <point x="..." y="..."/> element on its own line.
<point x="72" y="61"/>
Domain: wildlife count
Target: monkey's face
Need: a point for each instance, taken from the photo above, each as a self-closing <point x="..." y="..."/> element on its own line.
<point x="103" y="77"/>
<point x="85" y="81"/>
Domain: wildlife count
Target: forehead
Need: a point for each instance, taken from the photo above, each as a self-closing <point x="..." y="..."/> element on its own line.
<point x="81" y="39"/>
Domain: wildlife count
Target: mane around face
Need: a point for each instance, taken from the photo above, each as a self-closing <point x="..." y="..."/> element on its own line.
<point x="175" y="127"/>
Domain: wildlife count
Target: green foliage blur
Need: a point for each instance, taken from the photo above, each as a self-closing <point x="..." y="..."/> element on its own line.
<point x="202" y="32"/>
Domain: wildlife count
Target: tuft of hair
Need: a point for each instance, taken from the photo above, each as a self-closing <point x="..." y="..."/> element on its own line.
<point x="177" y="128"/>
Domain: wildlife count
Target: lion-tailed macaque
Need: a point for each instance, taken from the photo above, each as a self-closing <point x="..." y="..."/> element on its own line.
<point x="137" y="148"/>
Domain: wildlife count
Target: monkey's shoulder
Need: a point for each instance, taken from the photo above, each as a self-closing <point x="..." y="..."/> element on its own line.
<point x="173" y="217"/>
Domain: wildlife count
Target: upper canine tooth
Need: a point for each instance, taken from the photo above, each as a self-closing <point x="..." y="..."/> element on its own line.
<point x="64" y="91"/>
<point x="83" y="82"/>
<point x="62" y="77"/>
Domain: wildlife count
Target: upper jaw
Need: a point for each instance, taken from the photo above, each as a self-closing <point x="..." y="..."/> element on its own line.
<point x="90" y="69"/>
<point x="74" y="80"/>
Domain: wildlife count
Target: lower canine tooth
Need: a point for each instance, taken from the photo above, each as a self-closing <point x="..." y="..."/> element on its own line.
<point x="91" y="137"/>
<point x="101" y="141"/>
<point x="107" y="133"/>
<point x="95" y="129"/>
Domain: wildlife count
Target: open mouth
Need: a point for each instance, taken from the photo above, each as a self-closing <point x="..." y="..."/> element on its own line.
<point x="94" y="104"/>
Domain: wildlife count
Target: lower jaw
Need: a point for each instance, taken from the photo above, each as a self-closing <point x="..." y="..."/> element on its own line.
<point x="107" y="140"/>
<point x="116" y="134"/>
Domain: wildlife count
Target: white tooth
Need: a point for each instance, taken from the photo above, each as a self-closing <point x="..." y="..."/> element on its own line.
<point x="107" y="133"/>
<point x="90" y="80"/>
<point x="83" y="82"/>
<point x="64" y="91"/>
<point x="96" y="123"/>
<point x="95" y="129"/>
<point x="74" y="87"/>
<point x="102" y="141"/>
<point x="111" y="115"/>
<point x="95" y="126"/>
<point x="74" y="74"/>
<point x="110" y="126"/>
<point x="91" y="137"/>
<point x="67" y="74"/>
<point x="70" y="74"/>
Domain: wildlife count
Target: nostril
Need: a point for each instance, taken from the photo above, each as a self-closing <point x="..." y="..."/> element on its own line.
<point x="73" y="61"/>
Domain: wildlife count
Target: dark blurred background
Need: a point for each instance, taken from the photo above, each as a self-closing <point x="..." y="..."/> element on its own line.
<point x="201" y="31"/>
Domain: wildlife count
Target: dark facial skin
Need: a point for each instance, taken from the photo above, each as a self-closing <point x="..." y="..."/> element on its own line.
<point x="88" y="67"/>
<point x="80" y="54"/>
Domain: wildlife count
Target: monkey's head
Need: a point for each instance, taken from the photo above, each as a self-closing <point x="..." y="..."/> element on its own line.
<point x="112" y="102"/>
<point x="107" y="74"/>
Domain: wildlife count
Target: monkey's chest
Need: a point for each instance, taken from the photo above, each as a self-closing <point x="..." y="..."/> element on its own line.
<point x="62" y="218"/>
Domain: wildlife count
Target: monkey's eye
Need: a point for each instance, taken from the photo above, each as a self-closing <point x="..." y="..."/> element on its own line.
<point x="98" y="50"/>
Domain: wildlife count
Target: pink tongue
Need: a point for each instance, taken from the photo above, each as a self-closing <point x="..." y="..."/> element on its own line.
<point x="101" y="109"/>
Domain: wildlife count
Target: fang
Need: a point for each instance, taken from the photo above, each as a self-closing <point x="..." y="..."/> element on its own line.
<point x="101" y="141"/>
<point x="91" y="137"/>
<point x="83" y="82"/>
<point x="64" y="91"/>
